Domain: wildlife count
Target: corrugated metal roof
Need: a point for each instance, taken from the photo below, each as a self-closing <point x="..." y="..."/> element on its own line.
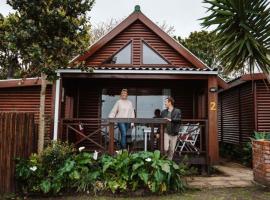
<point x="171" y="68"/>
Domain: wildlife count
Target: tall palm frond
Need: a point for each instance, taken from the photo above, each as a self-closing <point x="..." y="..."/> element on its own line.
<point x="243" y="32"/>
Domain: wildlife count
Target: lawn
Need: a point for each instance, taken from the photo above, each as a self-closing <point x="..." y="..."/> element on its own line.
<point x="257" y="193"/>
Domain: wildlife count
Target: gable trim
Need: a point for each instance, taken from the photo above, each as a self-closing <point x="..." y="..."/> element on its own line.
<point x="152" y="26"/>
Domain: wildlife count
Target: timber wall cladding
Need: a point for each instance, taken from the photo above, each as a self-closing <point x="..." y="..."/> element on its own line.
<point x="27" y="99"/>
<point x="184" y="100"/>
<point x="137" y="32"/>
<point x="17" y="139"/>
<point x="89" y="105"/>
<point x="236" y="114"/>
<point x="263" y="106"/>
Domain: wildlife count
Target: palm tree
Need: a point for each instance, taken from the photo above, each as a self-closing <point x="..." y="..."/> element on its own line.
<point x="243" y="33"/>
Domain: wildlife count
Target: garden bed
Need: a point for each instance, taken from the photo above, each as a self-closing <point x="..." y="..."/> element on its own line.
<point x="61" y="169"/>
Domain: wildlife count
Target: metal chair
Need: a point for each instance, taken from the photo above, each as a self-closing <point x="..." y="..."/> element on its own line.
<point x="187" y="138"/>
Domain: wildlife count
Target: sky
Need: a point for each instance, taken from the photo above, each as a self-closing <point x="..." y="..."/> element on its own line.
<point x="183" y="15"/>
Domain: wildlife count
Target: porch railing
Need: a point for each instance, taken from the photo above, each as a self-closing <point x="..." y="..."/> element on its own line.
<point x="99" y="133"/>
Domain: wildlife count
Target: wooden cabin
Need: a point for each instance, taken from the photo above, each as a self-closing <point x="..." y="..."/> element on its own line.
<point x="141" y="57"/>
<point x="244" y="107"/>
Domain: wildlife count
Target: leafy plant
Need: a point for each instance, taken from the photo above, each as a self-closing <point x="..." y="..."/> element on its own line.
<point x="242" y="153"/>
<point x="60" y="167"/>
<point x="142" y="170"/>
<point x="261" y="135"/>
<point x="242" y="28"/>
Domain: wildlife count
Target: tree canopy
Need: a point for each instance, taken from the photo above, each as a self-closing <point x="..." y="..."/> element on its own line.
<point x="201" y="44"/>
<point x="50" y="32"/>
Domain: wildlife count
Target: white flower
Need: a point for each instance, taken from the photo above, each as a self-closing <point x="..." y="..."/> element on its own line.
<point x="34" y="168"/>
<point x="148" y="159"/>
<point x="118" y="152"/>
<point x="81" y="148"/>
<point x="95" y="155"/>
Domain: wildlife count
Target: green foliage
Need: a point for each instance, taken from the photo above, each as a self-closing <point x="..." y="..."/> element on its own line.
<point x="50" y="32"/>
<point x="60" y="168"/>
<point x="142" y="170"/>
<point x="261" y="135"/>
<point x="9" y="53"/>
<point x="242" y="154"/>
<point x="243" y="33"/>
<point x="202" y="45"/>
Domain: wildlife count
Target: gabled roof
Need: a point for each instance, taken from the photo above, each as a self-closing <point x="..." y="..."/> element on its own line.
<point x="243" y="79"/>
<point x="138" y="15"/>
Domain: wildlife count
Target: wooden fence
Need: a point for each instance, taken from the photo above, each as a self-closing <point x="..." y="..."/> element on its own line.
<point x="17" y="139"/>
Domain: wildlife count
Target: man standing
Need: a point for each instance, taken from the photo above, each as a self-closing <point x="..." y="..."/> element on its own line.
<point x="173" y="115"/>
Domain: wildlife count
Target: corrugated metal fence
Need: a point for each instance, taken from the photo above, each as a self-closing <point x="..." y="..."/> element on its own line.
<point x="236" y="114"/>
<point x="17" y="139"/>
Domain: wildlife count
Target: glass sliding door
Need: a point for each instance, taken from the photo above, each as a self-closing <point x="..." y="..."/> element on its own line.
<point x="145" y="101"/>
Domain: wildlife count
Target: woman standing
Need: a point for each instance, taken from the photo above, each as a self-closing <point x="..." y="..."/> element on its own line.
<point x="123" y="108"/>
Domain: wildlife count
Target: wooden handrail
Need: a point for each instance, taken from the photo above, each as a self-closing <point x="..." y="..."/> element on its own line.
<point x="110" y="123"/>
<point x="131" y="120"/>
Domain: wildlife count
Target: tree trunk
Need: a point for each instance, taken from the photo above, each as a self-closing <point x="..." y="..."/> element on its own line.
<point x="10" y="73"/>
<point x="41" y="131"/>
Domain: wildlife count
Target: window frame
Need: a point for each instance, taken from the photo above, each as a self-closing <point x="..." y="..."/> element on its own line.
<point x="120" y="49"/>
<point x="155" y="51"/>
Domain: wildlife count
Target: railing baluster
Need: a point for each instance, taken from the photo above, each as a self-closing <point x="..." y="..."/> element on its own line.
<point x="111" y="138"/>
<point x="98" y="126"/>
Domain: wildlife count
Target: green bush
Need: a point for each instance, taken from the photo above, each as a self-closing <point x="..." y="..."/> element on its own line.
<point x="242" y="153"/>
<point x="46" y="172"/>
<point x="142" y="170"/>
<point x="61" y="167"/>
<point x="236" y="152"/>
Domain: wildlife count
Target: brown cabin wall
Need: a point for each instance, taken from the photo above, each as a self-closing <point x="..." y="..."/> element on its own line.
<point x="236" y="114"/>
<point x="86" y="95"/>
<point x="262" y="106"/>
<point x="136" y="33"/>
<point x="27" y="99"/>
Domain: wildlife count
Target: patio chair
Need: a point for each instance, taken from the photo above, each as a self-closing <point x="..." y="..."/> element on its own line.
<point x="187" y="138"/>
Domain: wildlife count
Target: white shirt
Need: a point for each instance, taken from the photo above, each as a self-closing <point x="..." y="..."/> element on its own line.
<point x="123" y="108"/>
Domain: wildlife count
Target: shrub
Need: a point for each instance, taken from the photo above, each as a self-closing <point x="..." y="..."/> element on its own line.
<point x="142" y="170"/>
<point x="236" y="152"/>
<point x="60" y="167"/>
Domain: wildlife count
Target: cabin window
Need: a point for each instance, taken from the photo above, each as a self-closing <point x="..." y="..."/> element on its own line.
<point x="152" y="57"/>
<point x="122" y="57"/>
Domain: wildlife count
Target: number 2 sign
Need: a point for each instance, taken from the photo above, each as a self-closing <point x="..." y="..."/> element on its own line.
<point x="213" y="106"/>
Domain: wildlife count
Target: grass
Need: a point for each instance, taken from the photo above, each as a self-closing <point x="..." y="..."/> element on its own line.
<point x="257" y="193"/>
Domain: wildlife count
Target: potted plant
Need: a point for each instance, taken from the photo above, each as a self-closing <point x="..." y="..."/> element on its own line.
<point x="261" y="157"/>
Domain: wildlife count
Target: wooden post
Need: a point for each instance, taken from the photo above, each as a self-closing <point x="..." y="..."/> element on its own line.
<point x="111" y="138"/>
<point x="152" y="137"/>
<point x="213" y="150"/>
<point x="161" y="143"/>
